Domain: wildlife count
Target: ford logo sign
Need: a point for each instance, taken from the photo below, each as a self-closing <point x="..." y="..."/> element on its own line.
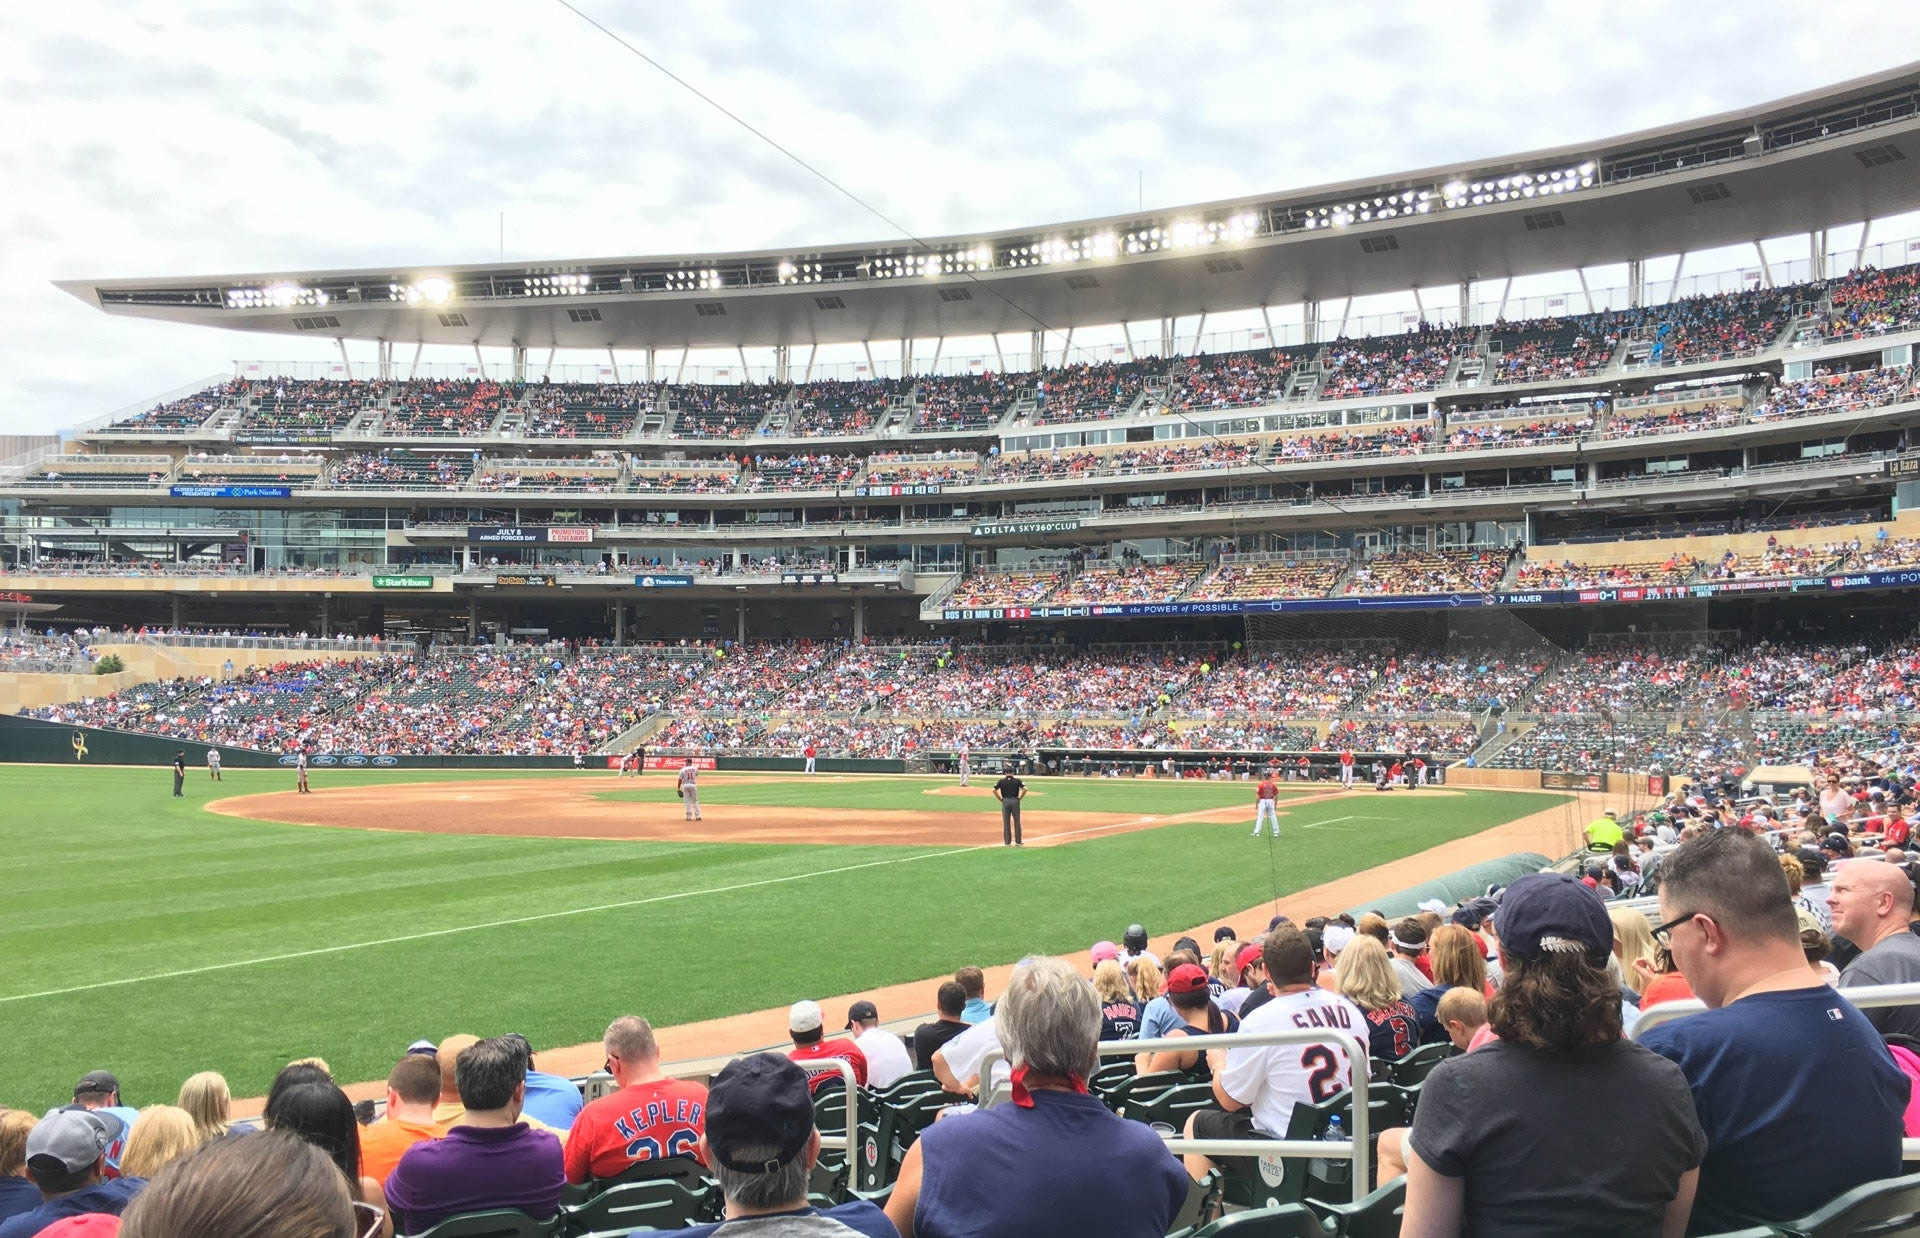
<point x="355" y="759"/>
<point x="326" y="758"/>
<point x="289" y="760"/>
<point x="386" y="760"/>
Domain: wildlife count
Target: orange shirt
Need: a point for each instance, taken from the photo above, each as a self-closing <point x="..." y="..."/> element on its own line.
<point x="1672" y="987"/>
<point x="640" y="1122"/>
<point x="383" y="1143"/>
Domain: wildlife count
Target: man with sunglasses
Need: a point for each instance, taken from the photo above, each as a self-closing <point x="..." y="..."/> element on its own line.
<point x="1779" y="1062"/>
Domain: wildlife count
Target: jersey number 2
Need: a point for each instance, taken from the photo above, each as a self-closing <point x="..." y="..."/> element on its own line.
<point x="1323" y="1072"/>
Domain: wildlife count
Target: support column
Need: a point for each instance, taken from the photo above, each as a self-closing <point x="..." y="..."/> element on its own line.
<point x="384" y="357"/>
<point x="1860" y="250"/>
<point x="1036" y="349"/>
<point x="1585" y="292"/>
<point x="1310" y="320"/>
<point x="1636" y="282"/>
<point x="1766" y="271"/>
<point x="1817" y="252"/>
<point x="780" y="361"/>
<point x="546" y="371"/>
<point x="346" y="362"/>
<point x="859" y="618"/>
<point x="1466" y="303"/>
<point x="743" y="621"/>
<point x="619" y="621"/>
<point x="1166" y="337"/>
<point x="1126" y="332"/>
<point x="650" y="369"/>
<point x="1266" y="317"/>
<point x="1066" y="347"/>
<point x="473" y="619"/>
<point x="326" y="615"/>
<point x="415" y="367"/>
<point x="906" y="356"/>
<point x="519" y="362"/>
<point x="1199" y="329"/>
<point x="479" y="358"/>
<point x="813" y="350"/>
<point x="178" y="611"/>
<point x="1419" y="306"/>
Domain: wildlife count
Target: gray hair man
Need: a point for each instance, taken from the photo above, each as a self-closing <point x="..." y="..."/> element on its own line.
<point x="761" y="1146"/>
<point x="649" y="1116"/>
<point x="1055" y="1162"/>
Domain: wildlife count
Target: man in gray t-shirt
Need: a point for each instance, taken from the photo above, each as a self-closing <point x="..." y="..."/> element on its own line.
<point x="1872" y="902"/>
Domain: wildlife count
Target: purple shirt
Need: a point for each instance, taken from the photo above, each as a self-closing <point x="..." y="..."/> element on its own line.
<point x="474" y="1169"/>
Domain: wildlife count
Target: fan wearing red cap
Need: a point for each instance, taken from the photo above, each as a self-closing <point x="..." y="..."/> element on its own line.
<point x="1188" y="994"/>
<point x="1249" y="974"/>
<point x="1492" y="1149"/>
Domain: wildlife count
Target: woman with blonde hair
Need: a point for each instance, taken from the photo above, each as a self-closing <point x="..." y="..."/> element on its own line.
<point x="1144" y="975"/>
<point x="161" y="1135"/>
<point x="1220" y="965"/>
<point x="1632" y="942"/>
<point x="1367" y="980"/>
<point x="17" y="1192"/>
<point x="1119" y="1013"/>
<point x="206" y="1099"/>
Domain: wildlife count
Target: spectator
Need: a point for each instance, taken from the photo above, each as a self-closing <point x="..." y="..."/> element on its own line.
<point x="949" y="1001"/>
<point x="1632" y="946"/>
<point x="1119" y="1013"/>
<point x="805" y="1025"/>
<point x="1191" y="1001"/>
<point x="99" y="1091"/>
<point x="1133" y="945"/>
<point x="1367" y="980"/>
<point x="1491" y="1150"/>
<point x="161" y="1135"/>
<point x="761" y="1144"/>
<point x="957" y="1063"/>
<point x="1409" y="942"/>
<point x="67" y="1159"/>
<point x="490" y="1160"/>
<point x="1250" y="977"/>
<point x="1759" y="1059"/>
<point x="320" y="1113"/>
<point x="413" y="1085"/>
<point x="552" y="1099"/>
<point x="648" y="1116"/>
<point x="1056" y="1162"/>
<point x="451" y="1110"/>
<point x="17" y="1192"/>
<point x="974" y="981"/>
<point x="1456" y="960"/>
<point x="1873" y="905"/>
<point x="205" y="1097"/>
<point x="274" y="1185"/>
<point x="887" y="1059"/>
<point x="1461" y="1014"/>
<point x="1143" y="974"/>
<point x="1259" y="1086"/>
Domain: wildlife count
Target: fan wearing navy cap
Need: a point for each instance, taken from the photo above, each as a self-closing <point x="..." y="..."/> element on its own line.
<point x="761" y="1145"/>
<point x="67" y="1160"/>
<point x="1492" y="1152"/>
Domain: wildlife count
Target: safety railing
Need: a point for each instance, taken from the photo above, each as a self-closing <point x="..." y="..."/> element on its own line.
<point x="315" y="643"/>
<point x="1356" y="1148"/>
<point x="1866" y="997"/>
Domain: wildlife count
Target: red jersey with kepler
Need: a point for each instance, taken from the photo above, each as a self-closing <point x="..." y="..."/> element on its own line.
<point x="640" y="1122"/>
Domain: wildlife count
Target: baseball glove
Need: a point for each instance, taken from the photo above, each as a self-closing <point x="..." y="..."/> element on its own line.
<point x="679" y="793"/>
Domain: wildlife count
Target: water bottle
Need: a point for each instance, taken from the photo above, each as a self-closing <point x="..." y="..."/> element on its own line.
<point x="1332" y="1171"/>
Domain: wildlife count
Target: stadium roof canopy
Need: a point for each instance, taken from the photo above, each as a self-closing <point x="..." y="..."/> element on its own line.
<point x="1825" y="158"/>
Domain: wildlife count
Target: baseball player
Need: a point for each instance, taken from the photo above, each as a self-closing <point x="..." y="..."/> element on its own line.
<point x="690" y="791"/>
<point x="1420" y="771"/>
<point x="1346" y="769"/>
<point x="965" y="770"/>
<point x="300" y="771"/>
<point x="213" y="765"/>
<point x="1266" y="805"/>
<point x="811" y="753"/>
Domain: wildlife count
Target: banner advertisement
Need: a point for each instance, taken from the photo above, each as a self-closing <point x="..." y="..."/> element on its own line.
<point x="524" y="580"/>
<point x="895" y="492"/>
<point x="230" y="492"/>
<point x="285" y="438"/>
<point x="1015" y="528"/>
<point x="663" y="582"/>
<point x="505" y="535"/>
<point x="403" y="582"/>
<point x="680" y="763"/>
<point x="1564" y="780"/>
<point x="809" y="578"/>
<point x="571" y="534"/>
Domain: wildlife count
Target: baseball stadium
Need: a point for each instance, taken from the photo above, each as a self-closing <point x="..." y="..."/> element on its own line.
<point x="1257" y="605"/>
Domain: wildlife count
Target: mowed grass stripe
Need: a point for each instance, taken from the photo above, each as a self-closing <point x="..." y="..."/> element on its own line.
<point x="1133" y="796"/>
<point x="556" y="980"/>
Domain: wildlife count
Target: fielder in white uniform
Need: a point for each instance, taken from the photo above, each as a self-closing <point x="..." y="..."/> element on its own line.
<point x="213" y="765"/>
<point x="690" y="790"/>
<point x="965" y="769"/>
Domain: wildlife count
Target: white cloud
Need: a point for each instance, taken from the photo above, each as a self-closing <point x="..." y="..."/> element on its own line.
<point x="161" y="138"/>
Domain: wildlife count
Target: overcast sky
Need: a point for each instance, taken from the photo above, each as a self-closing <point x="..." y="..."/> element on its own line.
<point x="182" y="138"/>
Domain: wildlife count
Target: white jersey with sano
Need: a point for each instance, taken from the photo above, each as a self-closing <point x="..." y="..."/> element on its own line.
<point x="1272" y="1079"/>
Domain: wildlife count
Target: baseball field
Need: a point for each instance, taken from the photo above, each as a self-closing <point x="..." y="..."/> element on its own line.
<point x="243" y="925"/>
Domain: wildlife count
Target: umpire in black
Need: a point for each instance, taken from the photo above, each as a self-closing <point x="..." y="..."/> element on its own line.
<point x="1011" y="791"/>
<point x="179" y="773"/>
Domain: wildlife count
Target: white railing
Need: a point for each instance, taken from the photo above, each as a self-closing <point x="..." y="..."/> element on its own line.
<point x="1355" y="1148"/>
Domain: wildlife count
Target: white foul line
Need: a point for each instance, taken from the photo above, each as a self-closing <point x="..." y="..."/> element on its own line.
<point x="545" y="915"/>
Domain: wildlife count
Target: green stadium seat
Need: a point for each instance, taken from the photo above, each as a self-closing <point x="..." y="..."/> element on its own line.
<point x="682" y="1169"/>
<point x="1172" y="1105"/>
<point x="1752" y="1231"/>
<point x="1144" y="1088"/>
<point x="1417" y="1065"/>
<point x="908" y="1085"/>
<point x="1376" y="1216"/>
<point x="498" y="1223"/>
<point x="1282" y="1221"/>
<point x="1202" y="1198"/>
<point x="1116" y="1072"/>
<point x="1890" y="1206"/>
<point x="659" y="1204"/>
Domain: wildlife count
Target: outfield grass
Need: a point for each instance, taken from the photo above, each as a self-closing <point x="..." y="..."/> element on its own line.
<point x="146" y="935"/>
<point x="1143" y="796"/>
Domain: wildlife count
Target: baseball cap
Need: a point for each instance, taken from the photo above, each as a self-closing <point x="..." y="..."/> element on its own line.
<point x="1248" y="956"/>
<point x="426" y="1047"/>
<point x="1190" y="945"/>
<point x="805" y="1017"/>
<point x="861" y="1011"/>
<point x="759" y="1101"/>
<point x="1837" y="843"/>
<point x="1104" y="950"/>
<point x="96" y="1083"/>
<point x="68" y="1140"/>
<point x="1335" y="937"/>
<point x="1225" y="933"/>
<point x="1187" y="978"/>
<point x="1437" y="906"/>
<point x="1550" y="913"/>
<point x="85" y="1225"/>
